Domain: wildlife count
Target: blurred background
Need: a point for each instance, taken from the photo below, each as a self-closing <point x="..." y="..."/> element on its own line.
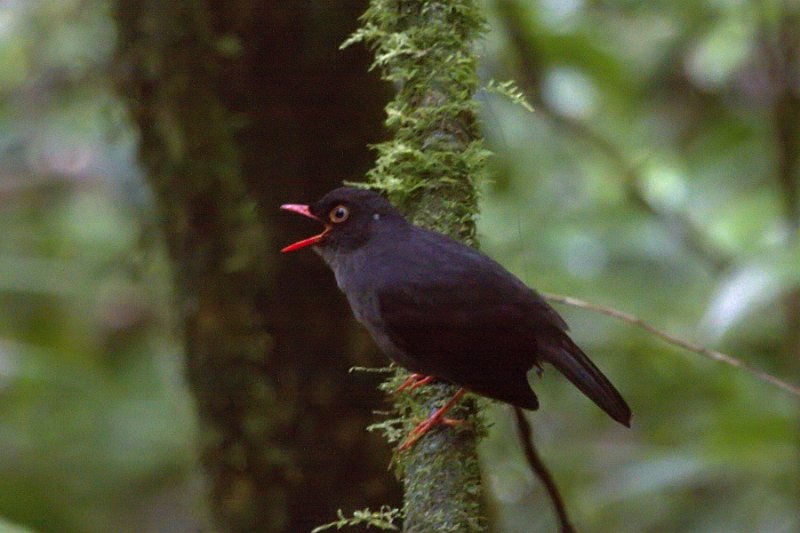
<point x="145" y="147"/>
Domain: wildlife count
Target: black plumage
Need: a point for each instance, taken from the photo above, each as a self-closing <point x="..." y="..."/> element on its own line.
<point x="438" y="307"/>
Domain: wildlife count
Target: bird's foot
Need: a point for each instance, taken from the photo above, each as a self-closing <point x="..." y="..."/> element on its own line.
<point x="455" y="422"/>
<point x="436" y="418"/>
<point x="413" y="381"/>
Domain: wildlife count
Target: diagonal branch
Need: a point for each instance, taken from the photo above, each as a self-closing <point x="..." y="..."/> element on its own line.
<point x="686" y="345"/>
<point x="529" y="73"/>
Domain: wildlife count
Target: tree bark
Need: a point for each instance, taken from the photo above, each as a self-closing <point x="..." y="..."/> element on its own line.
<point x="242" y="106"/>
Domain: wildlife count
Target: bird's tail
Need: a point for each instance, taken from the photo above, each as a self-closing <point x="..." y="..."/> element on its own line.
<point x="570" y="360"/>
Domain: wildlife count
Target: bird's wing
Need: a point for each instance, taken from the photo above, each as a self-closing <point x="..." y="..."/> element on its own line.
<point x="465" y="335"/>
<point x="455" y="300"/>
<point x="455" y="318"/>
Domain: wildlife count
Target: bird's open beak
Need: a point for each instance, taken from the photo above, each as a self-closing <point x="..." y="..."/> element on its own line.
<point x="303" y="210"/>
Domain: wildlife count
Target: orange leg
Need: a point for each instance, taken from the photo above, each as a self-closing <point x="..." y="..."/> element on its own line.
<point x="413" y="381"/>
<point x="436" y="418"/>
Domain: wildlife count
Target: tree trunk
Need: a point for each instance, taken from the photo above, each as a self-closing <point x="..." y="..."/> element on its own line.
<point x="242" y="106"/>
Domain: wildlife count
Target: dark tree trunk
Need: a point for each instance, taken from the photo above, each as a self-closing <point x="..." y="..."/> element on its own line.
<point x="244" y="105"/>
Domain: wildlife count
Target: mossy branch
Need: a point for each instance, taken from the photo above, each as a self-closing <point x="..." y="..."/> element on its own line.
<point x="429" y="170"/>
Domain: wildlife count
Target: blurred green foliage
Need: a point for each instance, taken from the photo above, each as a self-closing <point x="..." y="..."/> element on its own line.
<point x="96" y="429"/>
<point x="647" y="178"/>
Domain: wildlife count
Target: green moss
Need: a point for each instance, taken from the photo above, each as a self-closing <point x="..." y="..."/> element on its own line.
<point x="384" y="518"/>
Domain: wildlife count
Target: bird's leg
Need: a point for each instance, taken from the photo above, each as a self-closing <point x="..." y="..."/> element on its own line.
<point x="410" y="380"/>
<point x="454" y="422"/>
<point x="413" y="381"/>
<point x="436" y="418"/>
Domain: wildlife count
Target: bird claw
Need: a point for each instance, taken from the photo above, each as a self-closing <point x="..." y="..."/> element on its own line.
<point x="456" y="423"/>
<point x="436" y="418"/>
<point x="413" y="381"/>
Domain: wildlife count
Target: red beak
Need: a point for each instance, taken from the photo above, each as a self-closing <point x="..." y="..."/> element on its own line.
<point x="304" y="210"/>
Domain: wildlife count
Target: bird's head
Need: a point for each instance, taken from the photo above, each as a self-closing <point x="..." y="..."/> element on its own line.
<point x="350" y="216"/>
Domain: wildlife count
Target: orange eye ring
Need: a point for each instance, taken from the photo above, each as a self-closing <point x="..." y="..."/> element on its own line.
<point x="339" y="214"/>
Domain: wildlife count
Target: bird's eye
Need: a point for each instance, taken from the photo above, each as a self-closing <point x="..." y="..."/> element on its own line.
<point x="339" y="214"/>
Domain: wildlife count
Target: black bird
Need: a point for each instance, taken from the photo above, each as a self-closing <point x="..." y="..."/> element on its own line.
<point x="440" y="308"/>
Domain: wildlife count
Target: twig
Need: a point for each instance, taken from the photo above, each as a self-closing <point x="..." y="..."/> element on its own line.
<point x="690" y="346"/>
<point x="535" y="462"/>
